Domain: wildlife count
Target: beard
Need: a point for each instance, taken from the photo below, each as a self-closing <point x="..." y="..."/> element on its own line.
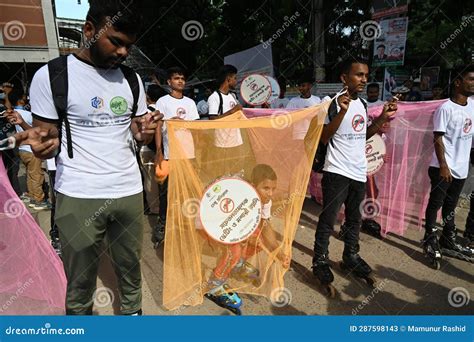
<point x="102" y="60"/>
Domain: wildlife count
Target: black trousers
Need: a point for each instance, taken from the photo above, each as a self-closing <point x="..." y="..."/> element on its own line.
<point x="54" y="229"/>
<point x="443" y="195"/>
<point x="163" y="197"/>
<point x="11" y="160"/>
<point x="338" y="190"/>
<point x="470" y="219"/>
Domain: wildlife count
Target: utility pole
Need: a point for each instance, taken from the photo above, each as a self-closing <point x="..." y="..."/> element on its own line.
<point x="319" y="56"/>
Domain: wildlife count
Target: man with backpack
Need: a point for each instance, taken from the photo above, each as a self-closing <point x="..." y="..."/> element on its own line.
<point x="93" y="109"/>
<point x="345" y="167"/>
<point x="228" y="142"/>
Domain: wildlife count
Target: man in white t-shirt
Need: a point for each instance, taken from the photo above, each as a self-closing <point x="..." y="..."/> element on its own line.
<point x="281" y="102"/>
<point x="305" y="100"/>
<point x="146" y="156"/>
<point x="373" y="95"/>
<point x="98" y="183"/>
<point x="230" y="153"/>
<point x="35" y="197"/>
<point x="222" y="103"/>
<point x="178" y="107"/>
<point x="345" y="170"/>
<point x="449" y="167"/>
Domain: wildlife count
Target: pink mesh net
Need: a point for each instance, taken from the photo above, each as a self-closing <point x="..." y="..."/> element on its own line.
<point x="402" y="183"/>
<point x="32" y="280"/>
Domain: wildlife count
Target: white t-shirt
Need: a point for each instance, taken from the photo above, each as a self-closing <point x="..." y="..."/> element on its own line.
<point x="185" y="109"/>
<point x="346" y="149"/>
<point x="301" y="128"/>
<point x="456" y="123"/>
<point x="267" y="210"/>
<point x="26" y="115"/>
<point x="280" y="103"/>
<point x="99" y="111"/>
<point x="373" y="104"/>
<point x="51" y="164"/>
<point x="228" y="137"/>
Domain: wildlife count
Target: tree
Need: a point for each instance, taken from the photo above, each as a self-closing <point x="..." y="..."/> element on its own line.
<point x="432" y="24"/>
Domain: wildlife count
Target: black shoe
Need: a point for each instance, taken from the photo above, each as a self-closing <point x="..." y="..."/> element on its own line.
<point x="356" y="264"/>
<point x="469" y="240"/>
<point x="322" y="270"/>
<point x="451" y="247"/>
<point x="372" y="228"/>
<point x="57" y="246"/>
<point x="158" y="238"/>
<point x="431" y="245"/>
<point x="136" y="313"/>
<point x="158" y="233"/>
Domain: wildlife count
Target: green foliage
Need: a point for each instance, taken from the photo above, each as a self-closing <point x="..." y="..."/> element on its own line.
<point x="234" y="25"/>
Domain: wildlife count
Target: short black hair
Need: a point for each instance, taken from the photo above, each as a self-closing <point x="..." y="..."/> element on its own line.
<point x="225" y="71"/>
<point x="306" y="76"/>
<point x="373" y="85"/>
<point x="461" y="71"/>
<point x="346" y="64"/>
<point x="15" y="95"/>
<point x="381" y="45"/>
<point x="124" y="15"/>
<point x="175" y="70"/>
<point x="437" y="85"/>
<point x="262" y="172"/>
<point x="154" y="92"/>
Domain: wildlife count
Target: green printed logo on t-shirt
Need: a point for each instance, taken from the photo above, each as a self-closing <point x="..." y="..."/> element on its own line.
<point x="118" y="105"/>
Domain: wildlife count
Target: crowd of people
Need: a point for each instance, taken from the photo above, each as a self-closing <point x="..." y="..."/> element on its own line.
<point x="108" y="142"/>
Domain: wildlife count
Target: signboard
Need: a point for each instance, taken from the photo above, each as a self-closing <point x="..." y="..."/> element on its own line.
<point x="386" y="8"/>
<point x="389" y="48"/>
<point x="230" y="210"/>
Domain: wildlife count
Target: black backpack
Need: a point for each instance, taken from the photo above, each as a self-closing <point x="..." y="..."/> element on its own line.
<point x="58" y="78"/>
<point x="320" y="156"/>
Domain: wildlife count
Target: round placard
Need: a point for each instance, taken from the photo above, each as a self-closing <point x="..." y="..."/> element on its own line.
<point x="275" y="89"/>
<point x="375" y="151"/>
<point x="230" y="210"/>
<point x="255" y="89"/>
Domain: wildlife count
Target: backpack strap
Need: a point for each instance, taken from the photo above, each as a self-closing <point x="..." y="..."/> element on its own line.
<point x="58" y="79"/>
<point x="132" y="80"/>
<point x="221" y="103"/>
<point x="364" y="102"/>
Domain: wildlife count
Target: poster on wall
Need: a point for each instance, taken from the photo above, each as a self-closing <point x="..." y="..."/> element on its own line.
<point x="389" y="48"/>
<point x="429" y="77"/>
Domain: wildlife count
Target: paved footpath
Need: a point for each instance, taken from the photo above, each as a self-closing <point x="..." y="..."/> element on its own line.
<point x="407" y="284"/>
